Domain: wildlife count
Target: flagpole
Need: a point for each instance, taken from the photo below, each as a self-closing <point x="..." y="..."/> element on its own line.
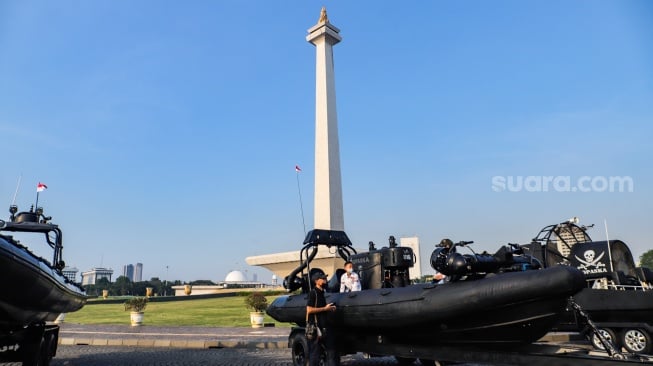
<point x="301" y="204"/>
<point x="39" y="188"/>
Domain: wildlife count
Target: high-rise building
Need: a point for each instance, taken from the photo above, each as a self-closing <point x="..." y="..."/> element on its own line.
<point x="138" y="273"/>
<point x="133" y="272"/>
<point x="128" y="271"/>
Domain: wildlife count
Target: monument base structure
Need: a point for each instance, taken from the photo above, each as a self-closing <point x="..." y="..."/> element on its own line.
<point x="283" y="263"/>
<point x="219" y="289"/>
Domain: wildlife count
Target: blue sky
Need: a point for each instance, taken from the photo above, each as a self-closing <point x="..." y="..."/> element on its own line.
<point x="168" y="133"/>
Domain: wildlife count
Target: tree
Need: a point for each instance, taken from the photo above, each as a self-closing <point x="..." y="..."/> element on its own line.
<point x="103" y="283"/>
<point x="122" y="286"/>
<point x="157" y="285"/>
<point x="96" y="289"/>
<point x="646" y="259"/>
<point x="202" y="283"/>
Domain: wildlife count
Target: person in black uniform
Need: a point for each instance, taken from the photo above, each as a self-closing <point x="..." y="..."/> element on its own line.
<point x="317" y="310"/>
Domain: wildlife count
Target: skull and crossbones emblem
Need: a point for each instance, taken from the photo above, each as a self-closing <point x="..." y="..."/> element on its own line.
<point x="591" y="260"/>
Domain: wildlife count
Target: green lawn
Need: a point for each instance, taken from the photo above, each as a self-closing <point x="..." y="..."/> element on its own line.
<point x="220" y="312"/>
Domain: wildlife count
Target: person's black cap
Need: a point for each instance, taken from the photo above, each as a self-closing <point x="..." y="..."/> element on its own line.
<point x="317" y="276"/>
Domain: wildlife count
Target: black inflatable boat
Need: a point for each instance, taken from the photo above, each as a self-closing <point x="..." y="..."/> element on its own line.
<point x="504" y="298"/>
<point x="33" y="289"/>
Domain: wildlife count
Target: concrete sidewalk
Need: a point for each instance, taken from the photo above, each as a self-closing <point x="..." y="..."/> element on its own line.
<point x="198" y="337"/>
<point x="180" y="337"/>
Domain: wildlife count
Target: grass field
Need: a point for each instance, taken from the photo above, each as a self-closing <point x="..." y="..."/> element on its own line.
<point x="220" y="312"/>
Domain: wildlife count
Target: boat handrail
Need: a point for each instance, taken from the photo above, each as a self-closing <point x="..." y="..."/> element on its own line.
<point x="612" y="286"/>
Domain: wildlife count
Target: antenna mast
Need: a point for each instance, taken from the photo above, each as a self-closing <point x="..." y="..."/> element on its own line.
<point x="605" y="222"/>
<point x="13" y="201"/>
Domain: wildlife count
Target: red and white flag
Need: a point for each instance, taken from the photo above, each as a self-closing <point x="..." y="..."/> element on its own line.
<point x="41" y="187"/>
<point x="298" y="169"/>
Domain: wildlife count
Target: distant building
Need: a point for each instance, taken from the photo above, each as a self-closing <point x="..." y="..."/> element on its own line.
<point x="235" y="277"/>
<point x="234" y="280"/>
<point x="70" y="273"/>
<point x="128" y="271"/>
<point x="138" y="273"/>
<point x="133" y="272"/>
<point x="413" y="243"/>
<point x="91" y="277"/>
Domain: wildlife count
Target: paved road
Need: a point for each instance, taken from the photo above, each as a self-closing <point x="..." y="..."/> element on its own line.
<point x="140" y="356"/>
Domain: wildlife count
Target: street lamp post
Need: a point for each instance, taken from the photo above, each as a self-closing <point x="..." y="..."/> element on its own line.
<point x="165" y="284"/>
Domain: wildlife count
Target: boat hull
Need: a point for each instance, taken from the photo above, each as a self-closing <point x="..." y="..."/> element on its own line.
<point x="517" y="307"/>
<point x="32" y="291"/>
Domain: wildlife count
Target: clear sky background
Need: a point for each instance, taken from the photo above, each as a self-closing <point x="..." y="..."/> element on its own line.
<point x="168" y="133"/>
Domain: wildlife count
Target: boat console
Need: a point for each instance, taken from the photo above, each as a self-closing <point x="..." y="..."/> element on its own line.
<point x="386" y="267"/>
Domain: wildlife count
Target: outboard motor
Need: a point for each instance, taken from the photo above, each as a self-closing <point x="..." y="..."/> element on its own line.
<point x="385" y="267"/>
<point x="446" y="260"/>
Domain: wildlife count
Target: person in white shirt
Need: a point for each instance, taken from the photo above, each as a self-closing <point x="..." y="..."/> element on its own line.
<point x="349" y="281"/>
<point x="439" y="278"/>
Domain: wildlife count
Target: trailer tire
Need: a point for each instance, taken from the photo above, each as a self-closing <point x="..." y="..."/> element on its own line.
<point x="32" y="353"/>
<point x="608" y="334"/>
<point x="48" y="349"/>
<point x="299" y="350"/>
<point x="636" y="340"/>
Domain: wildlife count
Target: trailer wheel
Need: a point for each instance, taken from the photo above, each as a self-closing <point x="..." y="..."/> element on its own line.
<point x="299" y="349"/>
<point x="47" y="349"/>
<point x="405" y="361"/>
<point x="608" y="334"/>
<point x="636" y="341"/>
<point x="32" y="353"/>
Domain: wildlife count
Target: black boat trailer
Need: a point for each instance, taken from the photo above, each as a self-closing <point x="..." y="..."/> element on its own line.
<point x="33" y="345"/>
<point x="536" y="354"/>
<point x="532" y="355"/>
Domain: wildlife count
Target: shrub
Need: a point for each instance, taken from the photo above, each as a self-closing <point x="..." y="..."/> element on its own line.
<point x="137" y="304"/>
<point x="256" y="301"/>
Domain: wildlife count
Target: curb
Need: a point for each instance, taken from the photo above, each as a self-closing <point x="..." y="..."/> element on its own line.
<point x="202" y="344"/>
<point x="67" y="341"/>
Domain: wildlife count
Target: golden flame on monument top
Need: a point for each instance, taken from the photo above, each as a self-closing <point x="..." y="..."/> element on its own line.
<point x="323" y="16"/>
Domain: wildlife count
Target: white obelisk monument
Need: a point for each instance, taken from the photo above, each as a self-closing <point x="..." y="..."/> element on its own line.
<point x="328" y="184"/>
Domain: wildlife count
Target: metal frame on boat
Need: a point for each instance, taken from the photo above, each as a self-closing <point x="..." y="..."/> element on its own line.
<point x="617" y="296"/>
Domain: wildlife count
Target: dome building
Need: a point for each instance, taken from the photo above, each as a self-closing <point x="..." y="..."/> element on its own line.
<point x="235" y="277"/>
